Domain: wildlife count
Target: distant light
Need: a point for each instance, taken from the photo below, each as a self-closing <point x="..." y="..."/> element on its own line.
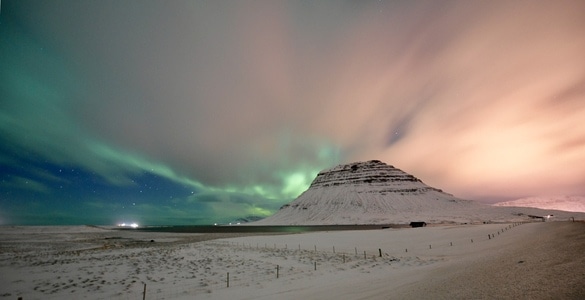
<point x="133" y="225"/>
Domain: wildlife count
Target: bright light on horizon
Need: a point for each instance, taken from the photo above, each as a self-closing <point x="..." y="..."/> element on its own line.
<point x="133" y="225"/>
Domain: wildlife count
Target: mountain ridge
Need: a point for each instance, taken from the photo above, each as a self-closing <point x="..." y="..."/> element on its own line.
<point x="373" y="192"/>
<point x="563" y="203"/>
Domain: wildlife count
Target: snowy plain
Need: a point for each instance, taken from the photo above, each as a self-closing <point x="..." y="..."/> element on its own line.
<point x="100" y="263"/>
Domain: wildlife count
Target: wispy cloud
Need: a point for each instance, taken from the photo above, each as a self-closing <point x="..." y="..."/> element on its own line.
<point x="481" y="99"/>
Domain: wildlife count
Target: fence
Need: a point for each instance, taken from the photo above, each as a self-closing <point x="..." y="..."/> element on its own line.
<point x="238" y="264"/>
<point x="310" y="260"/>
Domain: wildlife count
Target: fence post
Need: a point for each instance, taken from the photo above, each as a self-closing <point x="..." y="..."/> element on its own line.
<point x="333" y="249"/>
<point x="276" y="271"/>
<point x="343" y="257"/>
<point x="144" y="292"/>
<point x="315" y="266"/>
<point x="355" y="251"/>
<point x="228" y="279"/>
<point x="380" y="250"/>
<point x="365" y="255"/>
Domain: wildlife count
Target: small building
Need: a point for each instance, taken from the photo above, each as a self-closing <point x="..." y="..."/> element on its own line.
<point x="418" y="224"/>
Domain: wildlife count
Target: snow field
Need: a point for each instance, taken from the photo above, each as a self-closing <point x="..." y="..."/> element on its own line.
<point x="257" y="265"/>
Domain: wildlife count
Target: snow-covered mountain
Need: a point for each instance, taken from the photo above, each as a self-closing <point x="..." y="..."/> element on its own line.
<point x="565" y="203"/>
<point x="373" y="192"/>
<point x="246" y="219"/>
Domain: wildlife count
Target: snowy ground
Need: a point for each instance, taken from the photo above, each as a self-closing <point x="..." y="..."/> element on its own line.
<point x="94" y="263"/>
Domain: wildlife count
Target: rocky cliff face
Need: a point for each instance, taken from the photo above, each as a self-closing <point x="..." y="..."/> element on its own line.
<point x="372" y="176"/>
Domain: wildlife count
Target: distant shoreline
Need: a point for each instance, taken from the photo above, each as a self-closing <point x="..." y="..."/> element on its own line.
<point x="260" y="228"/>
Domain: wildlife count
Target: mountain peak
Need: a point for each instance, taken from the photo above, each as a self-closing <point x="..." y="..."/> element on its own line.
<point x="373" y="192"/>
<point x="370" y="175"/>
<point x="370" y="192"/>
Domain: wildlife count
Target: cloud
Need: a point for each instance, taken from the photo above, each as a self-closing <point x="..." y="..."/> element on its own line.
<point x="493" y="123"/>
<point x="481" y="99"/>
<point x="23" y="183"/>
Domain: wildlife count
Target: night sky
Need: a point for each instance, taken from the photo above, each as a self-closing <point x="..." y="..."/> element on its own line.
<point x="196" y="112"/>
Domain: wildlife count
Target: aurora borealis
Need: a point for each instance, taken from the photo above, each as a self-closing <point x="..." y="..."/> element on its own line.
<point x="195" y="112"/>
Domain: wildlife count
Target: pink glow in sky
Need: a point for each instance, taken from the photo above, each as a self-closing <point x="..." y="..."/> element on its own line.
<point x="483" y="99"/>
